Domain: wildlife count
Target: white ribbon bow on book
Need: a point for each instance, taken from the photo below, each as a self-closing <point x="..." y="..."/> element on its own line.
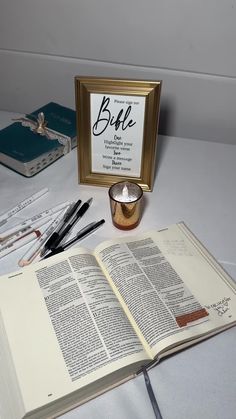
<point x="39" y="126"/>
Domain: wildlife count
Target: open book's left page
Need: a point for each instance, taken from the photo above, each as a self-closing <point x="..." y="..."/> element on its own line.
<point x="65" y="328"/>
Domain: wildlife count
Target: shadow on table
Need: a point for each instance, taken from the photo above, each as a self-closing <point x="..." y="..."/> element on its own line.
<point x="164" y="129"/>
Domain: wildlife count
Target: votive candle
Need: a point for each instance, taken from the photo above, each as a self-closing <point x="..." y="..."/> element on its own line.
<point x="125" y="202"/>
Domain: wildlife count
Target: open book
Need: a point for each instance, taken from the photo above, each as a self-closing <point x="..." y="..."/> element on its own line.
<point x="78" y="323"/>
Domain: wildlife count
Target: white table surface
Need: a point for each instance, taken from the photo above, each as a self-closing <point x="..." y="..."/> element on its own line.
<point x="194" y="183"/>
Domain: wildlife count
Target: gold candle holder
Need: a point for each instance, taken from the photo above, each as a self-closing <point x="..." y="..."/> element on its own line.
<point x="125" y="202"/>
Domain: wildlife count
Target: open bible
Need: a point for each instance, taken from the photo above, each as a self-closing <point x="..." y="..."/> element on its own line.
<point x="76" y="324"/>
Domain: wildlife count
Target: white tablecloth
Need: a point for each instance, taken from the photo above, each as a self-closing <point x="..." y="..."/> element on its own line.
<point x="194" y="183"/>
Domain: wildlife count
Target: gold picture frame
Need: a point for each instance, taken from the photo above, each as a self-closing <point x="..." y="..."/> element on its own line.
<point x="117" y="125"/>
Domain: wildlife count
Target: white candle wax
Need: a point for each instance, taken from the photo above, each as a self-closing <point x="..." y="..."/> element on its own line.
<point x="125" y="192"/>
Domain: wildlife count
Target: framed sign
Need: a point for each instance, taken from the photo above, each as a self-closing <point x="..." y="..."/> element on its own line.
<point x="117" y="124"/>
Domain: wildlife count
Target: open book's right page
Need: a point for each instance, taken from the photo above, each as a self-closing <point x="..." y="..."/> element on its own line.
<point x="172" y="290"/>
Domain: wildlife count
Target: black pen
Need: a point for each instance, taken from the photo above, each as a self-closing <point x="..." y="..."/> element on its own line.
<point x="68" y="215"/>
<point x="69" y="225"/>
<point x="90" y="228"/>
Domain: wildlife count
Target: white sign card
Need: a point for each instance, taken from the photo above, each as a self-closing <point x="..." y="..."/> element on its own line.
<point x="117" y="130"/>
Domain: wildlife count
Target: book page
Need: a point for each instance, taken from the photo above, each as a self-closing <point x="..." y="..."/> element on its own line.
<point x="168" y="289"/>
<point x="65" y="327"/>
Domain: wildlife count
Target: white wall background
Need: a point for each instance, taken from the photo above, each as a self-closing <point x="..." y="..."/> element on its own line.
<point x="190" y="45"/>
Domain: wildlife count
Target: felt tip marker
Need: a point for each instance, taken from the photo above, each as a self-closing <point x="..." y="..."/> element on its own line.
<point x="33" y="252"/>
<point x="84" y="232"/>
<point x="20" y="243"/>
<point x="33" y="220"/>
<point x="68" y="226"/>
<point x="67" y="217"/>
<point x="30" y="229"/>
<point x="21" y="205"/>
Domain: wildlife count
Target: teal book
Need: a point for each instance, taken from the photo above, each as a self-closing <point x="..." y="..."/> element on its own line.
<point x="38" y="139"/>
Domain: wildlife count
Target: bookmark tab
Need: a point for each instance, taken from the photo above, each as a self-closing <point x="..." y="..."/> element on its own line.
<point x="151" y="394"/>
